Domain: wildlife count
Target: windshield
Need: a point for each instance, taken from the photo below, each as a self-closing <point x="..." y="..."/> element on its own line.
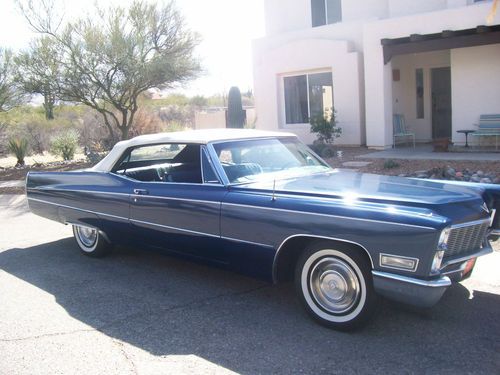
<point x="257" y="159"/>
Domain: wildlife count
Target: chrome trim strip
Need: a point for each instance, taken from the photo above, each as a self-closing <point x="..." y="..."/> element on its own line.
<point x="180" y="199"/>
<point x="135" y="196"/>
<point x="245" y="241"/>
<point x="470" y="223"/>
<point x="443" y="281"/>
<point x="494" y="232"/>
<point x="327" y="215"/>
<point x="313" y="236"/>
<point x="484" y="251"/>
<point x="492" y="216"/>
<point x="398" y="268"/>
<point x="78" y="209"/>
<point x="174" y="228"/>
<point x="78" y="191"/>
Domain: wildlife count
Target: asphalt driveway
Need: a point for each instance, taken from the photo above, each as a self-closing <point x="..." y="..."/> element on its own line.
<point x="139" y="312"/>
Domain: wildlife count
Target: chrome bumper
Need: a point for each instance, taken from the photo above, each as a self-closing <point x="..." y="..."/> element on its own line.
<point x="409" y="290"/>
<point x="424" y="293"/>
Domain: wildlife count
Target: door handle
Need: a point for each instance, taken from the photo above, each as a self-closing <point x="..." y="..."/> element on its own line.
<point x="141" y="192"/>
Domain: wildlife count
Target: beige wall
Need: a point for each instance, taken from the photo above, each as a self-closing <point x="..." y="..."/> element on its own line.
<point x="404" y="92"/>
<point x="310" y="55"/>
<point x="475" y="75"/>
<point x="210" y="120"/>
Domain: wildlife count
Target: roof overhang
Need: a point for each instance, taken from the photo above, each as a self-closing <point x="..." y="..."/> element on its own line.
<point x="447" y="39"/>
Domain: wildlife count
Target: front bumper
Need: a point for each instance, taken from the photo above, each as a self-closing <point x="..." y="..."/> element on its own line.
<point x="424" y="293"/>
<point x="409" y="290"/>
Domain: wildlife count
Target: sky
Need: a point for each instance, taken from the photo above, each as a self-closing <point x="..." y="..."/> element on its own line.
<point x="227" y="28"/>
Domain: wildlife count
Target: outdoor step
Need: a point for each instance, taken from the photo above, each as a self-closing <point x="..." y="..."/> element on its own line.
<point x="356" y="164"/>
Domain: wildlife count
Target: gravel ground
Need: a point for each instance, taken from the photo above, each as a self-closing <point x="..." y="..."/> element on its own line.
<point x="407" y="166"/>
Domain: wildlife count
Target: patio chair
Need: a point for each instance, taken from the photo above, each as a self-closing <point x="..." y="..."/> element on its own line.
<point x="399" y="129"/>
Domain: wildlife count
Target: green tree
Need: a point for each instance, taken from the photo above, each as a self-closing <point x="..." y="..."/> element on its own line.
<point x="113" y="56"/>
<point x="39" y="72"/>
<point x="11" y="94"/>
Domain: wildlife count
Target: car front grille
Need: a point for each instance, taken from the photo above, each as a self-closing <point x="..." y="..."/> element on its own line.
<point x="464" y="239"/>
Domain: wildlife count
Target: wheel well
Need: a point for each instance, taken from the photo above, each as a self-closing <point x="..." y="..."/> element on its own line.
<point x="289" y="252"/>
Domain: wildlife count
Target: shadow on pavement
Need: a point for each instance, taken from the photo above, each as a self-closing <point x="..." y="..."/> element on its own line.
<point x="168" y="306"/>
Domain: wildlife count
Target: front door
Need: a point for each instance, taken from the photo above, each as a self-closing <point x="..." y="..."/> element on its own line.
<point x="441" y="102"/>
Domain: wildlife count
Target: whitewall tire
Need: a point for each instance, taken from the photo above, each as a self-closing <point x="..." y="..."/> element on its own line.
<point x="90" y="241"/>
<point x="335" y="285"/>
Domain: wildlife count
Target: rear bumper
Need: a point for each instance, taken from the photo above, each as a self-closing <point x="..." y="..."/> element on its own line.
<point x="421" y="293"/>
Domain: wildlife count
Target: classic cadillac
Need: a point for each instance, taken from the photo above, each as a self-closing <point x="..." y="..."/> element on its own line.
<point x="264" y="204"/>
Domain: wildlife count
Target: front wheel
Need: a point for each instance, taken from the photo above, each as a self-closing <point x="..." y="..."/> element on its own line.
<point x="334" y="284"/>
<point x="91" y="242"/>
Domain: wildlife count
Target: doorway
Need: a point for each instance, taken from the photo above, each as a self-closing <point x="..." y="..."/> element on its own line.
<point x="441" y="102"/>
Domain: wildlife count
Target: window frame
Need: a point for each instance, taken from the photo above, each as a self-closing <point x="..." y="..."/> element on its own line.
<point x="325" y="2"/>
<point x="283" y="123"/>
<point x="202" y="147"/>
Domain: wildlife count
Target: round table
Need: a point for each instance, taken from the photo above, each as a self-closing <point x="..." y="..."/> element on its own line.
<point x="466" y="132"/>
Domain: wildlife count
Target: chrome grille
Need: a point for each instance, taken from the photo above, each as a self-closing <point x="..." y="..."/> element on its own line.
<point x="466" y="238"/>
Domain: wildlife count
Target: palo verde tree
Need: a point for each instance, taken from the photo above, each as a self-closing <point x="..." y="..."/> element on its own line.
<point x="10" y="93"/>
<point x="39" y="72"/>
<point x="112" y="56"/>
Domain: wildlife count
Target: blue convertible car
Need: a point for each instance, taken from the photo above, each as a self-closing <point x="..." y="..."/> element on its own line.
<point x="265" y="205"/>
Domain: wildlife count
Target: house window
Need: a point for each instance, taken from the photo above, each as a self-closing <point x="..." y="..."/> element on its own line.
<point x="307" y="96"/>
<point x="419" y="83"/>
<point x="325" y="12"/>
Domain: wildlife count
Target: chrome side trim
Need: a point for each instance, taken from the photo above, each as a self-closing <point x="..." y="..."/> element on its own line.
<point x="484" y="251"/>
<point x="146" y="196"/>
<point x="78" y="191"/>
<point x="245" y="241"/>
<point x="326" y="215"/>
<point x="78" y="209"/>
<point x="174" y="228"/>
<point x="494" y="232"/>
<point x="438" y="283"/>
<point x="312" y="236"/>
<point x="398" y="268"/>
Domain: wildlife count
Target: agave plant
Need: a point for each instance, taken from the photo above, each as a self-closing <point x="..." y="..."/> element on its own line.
<point x="19" y="147"/>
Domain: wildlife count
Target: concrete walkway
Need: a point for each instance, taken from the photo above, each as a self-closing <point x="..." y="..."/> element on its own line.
<point x="424" y="152"/>
<point x="10" y="184"/>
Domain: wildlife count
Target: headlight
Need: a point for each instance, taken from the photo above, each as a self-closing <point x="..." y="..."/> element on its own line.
<point x="436" y="262"/>
<point x="443" y="239"/>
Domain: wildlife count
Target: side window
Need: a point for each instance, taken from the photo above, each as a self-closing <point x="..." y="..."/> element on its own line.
<point x="166" y="162"/>
<point x="209" y="175"/>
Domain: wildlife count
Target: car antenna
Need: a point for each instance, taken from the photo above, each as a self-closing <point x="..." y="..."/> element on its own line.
<point x="274" y="190"/>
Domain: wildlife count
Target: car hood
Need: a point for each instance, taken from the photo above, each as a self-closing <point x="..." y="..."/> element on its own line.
<point x="371" y="187"/>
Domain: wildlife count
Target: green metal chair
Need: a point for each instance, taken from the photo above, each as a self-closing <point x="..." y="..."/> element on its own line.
<point x="400" y="130"/>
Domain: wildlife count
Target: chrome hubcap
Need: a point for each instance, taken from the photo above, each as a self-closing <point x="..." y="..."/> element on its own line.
<point x="334" y="285"/>
<point x="88" y="236"/>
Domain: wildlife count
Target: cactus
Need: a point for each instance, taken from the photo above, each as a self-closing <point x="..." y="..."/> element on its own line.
<point x="235" y="113"/>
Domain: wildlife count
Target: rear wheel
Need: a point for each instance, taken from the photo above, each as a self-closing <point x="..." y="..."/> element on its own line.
<point x="90" y="241"/>
<point x="334" y="284"/>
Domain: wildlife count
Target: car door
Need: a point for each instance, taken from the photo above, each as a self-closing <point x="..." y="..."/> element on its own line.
<point x="181" y="212"/>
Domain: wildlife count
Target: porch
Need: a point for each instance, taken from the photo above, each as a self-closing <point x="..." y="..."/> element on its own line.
<point x="441" y="82"/>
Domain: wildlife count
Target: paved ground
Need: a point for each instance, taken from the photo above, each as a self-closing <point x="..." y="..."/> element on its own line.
<point x="135" y="312"/>
<point x="424" y="152"/>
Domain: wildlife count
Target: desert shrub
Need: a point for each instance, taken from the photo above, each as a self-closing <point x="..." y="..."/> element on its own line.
<point x="65" y="144"/>
<point x="19" y="147"/>
<point x="390" y="164"/>
<point x="325" y="127"/>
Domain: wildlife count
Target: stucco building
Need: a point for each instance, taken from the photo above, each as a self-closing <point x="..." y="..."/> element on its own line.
<point x="434" y="61"/>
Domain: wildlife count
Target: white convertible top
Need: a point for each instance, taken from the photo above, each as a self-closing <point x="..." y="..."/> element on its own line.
<point x="189" y="136"/>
